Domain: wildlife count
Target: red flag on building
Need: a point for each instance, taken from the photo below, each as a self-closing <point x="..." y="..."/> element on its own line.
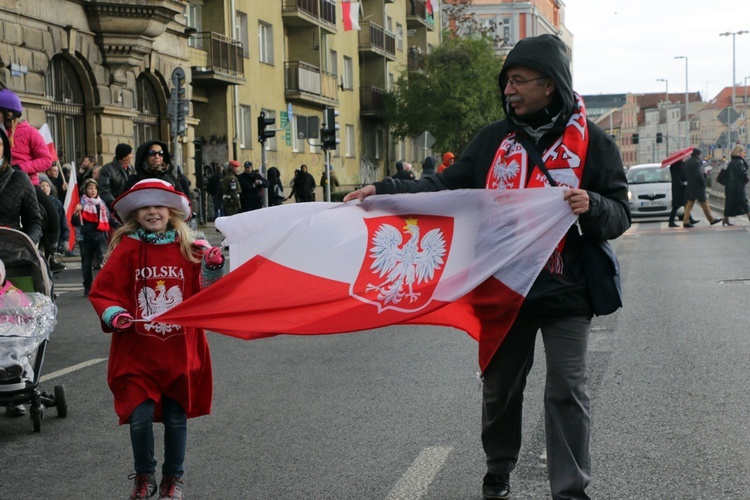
<point x="72" y="199"/>
<point x="351" y="15"/>
<point x="464" y="259"/>
<point x="47" y="135"/>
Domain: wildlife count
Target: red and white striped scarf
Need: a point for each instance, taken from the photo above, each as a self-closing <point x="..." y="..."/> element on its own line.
<point x="565" y="160"/>
<point x="91" y="214"/>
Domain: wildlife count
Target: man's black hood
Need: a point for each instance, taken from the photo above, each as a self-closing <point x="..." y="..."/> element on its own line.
<point x="140" y="159"/>
<point x="548" y="55"/>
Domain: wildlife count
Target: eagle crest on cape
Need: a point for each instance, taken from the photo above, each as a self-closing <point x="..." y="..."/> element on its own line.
<point x="152" y="301"/>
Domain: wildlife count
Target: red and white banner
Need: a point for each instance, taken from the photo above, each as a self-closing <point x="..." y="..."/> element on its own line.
<point x="72" y="199"/>
<point x="47" y="135"/>
<point x="464" y="259"/>
<point x="350" y="11"/>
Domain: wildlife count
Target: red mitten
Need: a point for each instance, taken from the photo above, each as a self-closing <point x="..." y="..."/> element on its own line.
<point x="201" y="245"/>
<point x="122" y="321"/>
<point x="213" y="257"/>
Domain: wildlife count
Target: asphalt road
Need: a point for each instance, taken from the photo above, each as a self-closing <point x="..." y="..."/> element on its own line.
<point x="395" y="413"/>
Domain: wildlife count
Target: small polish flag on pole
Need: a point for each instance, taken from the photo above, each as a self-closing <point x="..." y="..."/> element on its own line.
<point x="72" y="199"/>
<point x="351" y="15"/>
<point x="47" y="135"/>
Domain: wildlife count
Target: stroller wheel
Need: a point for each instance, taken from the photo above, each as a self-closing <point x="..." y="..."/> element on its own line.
<point x="60" y="403"/>
<point x="36" y="420"/>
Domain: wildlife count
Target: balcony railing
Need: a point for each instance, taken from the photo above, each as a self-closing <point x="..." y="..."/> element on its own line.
<point x="415" y="59"/>
<point x="323" y="11"/>
<point x="308" y="82"/>
<point x="372" y="101"/>
<point x="374" y="37"/>
<point x="224" y="55"/>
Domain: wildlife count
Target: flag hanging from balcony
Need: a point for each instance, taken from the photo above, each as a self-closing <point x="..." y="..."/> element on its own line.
<point x="351" y="15"/>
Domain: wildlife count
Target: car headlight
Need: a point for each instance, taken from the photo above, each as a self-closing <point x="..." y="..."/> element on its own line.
<point x="630" y="195"/>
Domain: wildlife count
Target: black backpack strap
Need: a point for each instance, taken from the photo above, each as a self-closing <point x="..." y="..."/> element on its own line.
<point x="534" y="156"/>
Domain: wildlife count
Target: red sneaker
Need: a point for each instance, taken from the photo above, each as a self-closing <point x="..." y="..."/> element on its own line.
<point x="144" y="486"/>
<point x="170" y="488"/>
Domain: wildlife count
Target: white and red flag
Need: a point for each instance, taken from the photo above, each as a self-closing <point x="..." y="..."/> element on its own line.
<point x="350" y="12"/>
<point x="47" y="135"/>
<point x="72" y="199"/>
<point x="464" y="259"/>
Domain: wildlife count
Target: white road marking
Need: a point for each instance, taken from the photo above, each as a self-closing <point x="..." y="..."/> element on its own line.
<point x="70" y="369"/>
<point x="413" y="484"/>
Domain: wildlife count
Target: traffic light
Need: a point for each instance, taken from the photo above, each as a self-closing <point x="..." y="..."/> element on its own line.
<point x="329" y="129"/>
<point x="263" y="124"/>
<point x="635" y="139"/>
<point x="659" y="137"/>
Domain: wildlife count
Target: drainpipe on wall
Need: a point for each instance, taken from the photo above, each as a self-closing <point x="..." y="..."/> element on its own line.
<point x="235" y="90"/>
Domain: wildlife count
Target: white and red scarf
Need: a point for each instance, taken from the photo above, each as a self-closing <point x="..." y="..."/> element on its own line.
<point x="91" y="214"/>
<point x="565" y="160"/>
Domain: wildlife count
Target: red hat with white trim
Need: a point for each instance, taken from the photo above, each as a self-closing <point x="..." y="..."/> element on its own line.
<point x="151" y="193"/>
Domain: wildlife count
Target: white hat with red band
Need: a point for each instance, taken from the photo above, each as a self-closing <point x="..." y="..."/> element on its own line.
<point x="151" y="193"/>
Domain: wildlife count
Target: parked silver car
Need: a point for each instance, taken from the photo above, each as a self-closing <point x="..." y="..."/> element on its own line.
<point x="649" y="190"/>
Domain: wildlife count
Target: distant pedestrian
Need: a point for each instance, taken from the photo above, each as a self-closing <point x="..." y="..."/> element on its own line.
<point x="448" y="160"/>
<point x="114" y="175"/>
<point x="735" y="201"/>
<point x="429" y="167"/>
<point x="679" y="191"/>
<point x="231" y="189"/>
<point x="402" y="172"/>
<point x="92" y="216"/>
<point x="696" y="189"/>
<point x="252" y="183"/>
<point x="324" y="182"/>
<point x="303" y="187"/>
<point x="275" y="187"/>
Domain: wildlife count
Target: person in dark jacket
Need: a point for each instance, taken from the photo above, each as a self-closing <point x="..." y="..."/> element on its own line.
<point x="696" y="189"/>
<point x="153" y="161"/>
<point x="252" y="183"/>
<point x="402" y="173"/>
<point x="275" y="187"/>
<point x="679" y="191"/>
<point x="92" y="216"/>
<point x="543" y="114"/>
<point x="735" y="200"/>
<point x="114" y="175"/>
<point x="303" y="186"/>
<point x="429" y="166"/>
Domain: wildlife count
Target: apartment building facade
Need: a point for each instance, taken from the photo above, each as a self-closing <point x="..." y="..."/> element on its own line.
<point x="197" y="73"/>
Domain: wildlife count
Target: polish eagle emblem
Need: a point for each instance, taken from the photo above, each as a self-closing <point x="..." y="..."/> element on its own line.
<point x="401" y="266"/>
<point x="152" y="301"/>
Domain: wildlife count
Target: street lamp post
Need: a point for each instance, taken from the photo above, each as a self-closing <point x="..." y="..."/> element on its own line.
<point x="747" y="143"/>
<point x="687" y="97"/>
<point x="734" y="79"/>
<point x="666" y="116"/>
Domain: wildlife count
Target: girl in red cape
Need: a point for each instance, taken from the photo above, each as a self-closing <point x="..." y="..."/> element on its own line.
<point x="157" y="372"/>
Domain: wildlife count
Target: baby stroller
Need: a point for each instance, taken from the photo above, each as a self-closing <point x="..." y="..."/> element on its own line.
<point x="26" y="320"/>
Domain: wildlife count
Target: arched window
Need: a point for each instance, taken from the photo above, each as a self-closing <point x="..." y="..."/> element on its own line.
<point x="147" y="124"/>
<point x="66" y="113"/>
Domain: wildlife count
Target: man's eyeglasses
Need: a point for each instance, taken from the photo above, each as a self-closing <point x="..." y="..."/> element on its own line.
<point x="154" y="152"/>
<point x="518" y="82"/>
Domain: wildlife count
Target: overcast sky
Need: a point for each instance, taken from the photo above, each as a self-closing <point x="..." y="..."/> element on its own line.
<point x="622" y="46"/>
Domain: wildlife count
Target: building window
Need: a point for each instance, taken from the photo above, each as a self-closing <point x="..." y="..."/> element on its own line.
<point x="66" y="113"/>
<point x="350" y="141"/>
<point x="241" y="32"/>
<point x="399" y="37"/>
<point x="271" y="141"/>
<point x="265" y="39"/>
<point x="246" y="127"/>
<point x="347" y="78"/>
<point x="193" y="20"/>
<point x="333" y="62"/>
<point x="147" y="123"/>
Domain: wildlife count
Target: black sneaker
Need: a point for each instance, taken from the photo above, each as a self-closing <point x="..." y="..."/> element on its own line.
<point x="496" y="486"/>
<point x="56" y="263"/>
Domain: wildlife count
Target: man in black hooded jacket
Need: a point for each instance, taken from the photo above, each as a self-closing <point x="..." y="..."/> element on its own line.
<point x="544" y="114"/>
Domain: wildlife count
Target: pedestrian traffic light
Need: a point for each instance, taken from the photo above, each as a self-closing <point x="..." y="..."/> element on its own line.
<point x="659" y="137"/>
<point x="263" y="131"/>
<point x="329" y="129"/>
<point x="635" y="139"/>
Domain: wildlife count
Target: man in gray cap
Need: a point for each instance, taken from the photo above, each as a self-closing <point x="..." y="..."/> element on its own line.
<point x="252" y="183"/>
<point x="114" y="174"/>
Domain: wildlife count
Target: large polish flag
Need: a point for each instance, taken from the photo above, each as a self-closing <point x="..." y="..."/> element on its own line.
<point x="47" y="135"/>
<point x="72" y="199"/>
<point x="350" y="11"/>
<point x="464" y="259"/>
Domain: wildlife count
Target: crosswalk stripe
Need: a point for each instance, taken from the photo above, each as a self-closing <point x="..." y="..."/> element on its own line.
<point x="414" y="483"/>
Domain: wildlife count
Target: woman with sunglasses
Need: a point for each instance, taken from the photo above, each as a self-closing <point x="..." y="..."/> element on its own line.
<point x="153" y="161"/>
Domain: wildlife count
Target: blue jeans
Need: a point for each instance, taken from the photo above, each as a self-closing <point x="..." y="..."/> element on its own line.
<point x="175" y="437"/>
<point x="90" y="249"/>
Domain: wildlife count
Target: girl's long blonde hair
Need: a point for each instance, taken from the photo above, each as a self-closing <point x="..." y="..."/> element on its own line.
<point x="184" y="235"/>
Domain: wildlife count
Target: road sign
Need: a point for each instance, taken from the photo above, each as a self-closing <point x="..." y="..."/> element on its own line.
<point x="728" y="115"/>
